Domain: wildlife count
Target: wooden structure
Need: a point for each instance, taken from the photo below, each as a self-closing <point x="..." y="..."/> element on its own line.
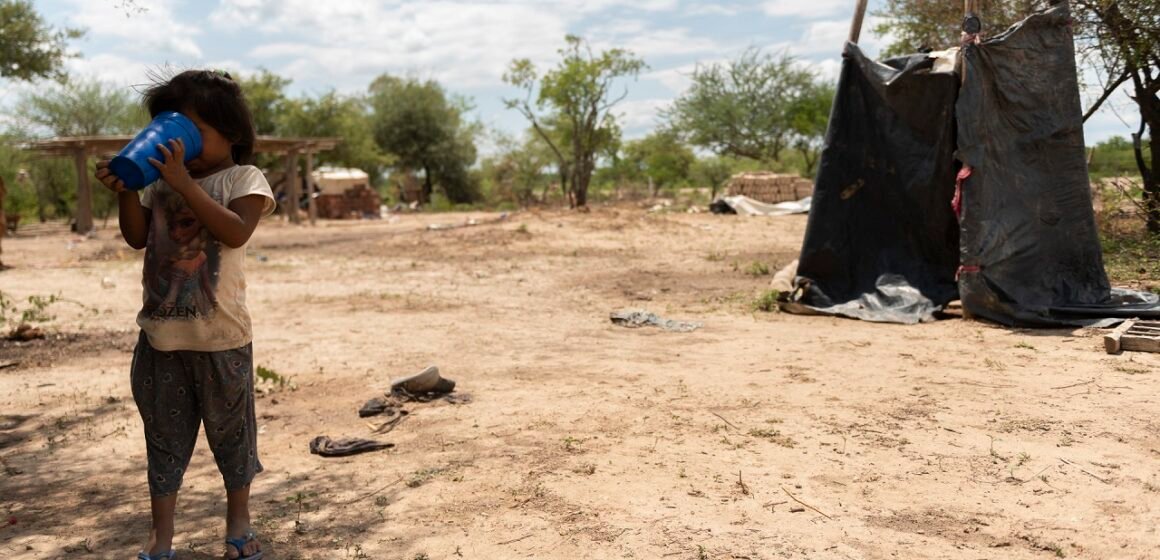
<point x="770" y="188"/>
<point x="1134" y="336"/>
<point x="81" y="148"/>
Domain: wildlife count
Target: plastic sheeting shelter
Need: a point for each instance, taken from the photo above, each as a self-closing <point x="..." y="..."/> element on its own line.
<point x="893" y="237"/>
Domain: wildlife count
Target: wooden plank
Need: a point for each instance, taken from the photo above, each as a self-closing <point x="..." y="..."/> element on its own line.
<point x="293" y="189"/>
<point x="1134" y="336"/>
<point x="1112" y="341"/>
<point x="856" y="25"/>
<point x="84" y="213"/>
<point x="310" y="187"/>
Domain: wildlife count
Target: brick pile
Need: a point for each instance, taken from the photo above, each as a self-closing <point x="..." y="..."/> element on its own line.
<point x="355" y="202"/>
<point x="770" y="188"/>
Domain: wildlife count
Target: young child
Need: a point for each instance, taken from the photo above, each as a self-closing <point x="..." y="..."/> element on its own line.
<point x="194" y="358"/>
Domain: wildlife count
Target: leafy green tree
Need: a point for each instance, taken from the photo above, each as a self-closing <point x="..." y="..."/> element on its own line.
<point x="266" y="94"/>
<point x="712" y="172"/>
<point x="809" y="118"/>
<point x="920" y="25"/>
<point x="659" y="158"/>
<point x="518" y="168"/>
<point x="423" y="128"/>
<point x="334" y="115"/>
<point x="29" y="47"/>
<point x="82" y="108"/>
<point x="75" y="108"/>
<point x="743" y="108"/>
<point x="572" y="110"/>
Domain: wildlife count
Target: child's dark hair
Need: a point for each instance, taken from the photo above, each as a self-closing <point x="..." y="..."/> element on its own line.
<point x="216" y="98"/>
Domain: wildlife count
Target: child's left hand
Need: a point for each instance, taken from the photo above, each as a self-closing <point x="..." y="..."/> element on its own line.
<point x="173" y="168"/>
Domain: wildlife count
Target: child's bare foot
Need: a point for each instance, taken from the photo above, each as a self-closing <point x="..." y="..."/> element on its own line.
<point x="245" y="545"/>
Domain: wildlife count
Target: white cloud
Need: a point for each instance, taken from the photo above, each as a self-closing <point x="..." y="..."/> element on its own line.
<point x="153" y="34"/>
<point x="806" y="9"/>
<point x="638" y="117"/>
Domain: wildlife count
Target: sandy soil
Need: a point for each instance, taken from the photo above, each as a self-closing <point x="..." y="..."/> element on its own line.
<point x="759" y="436"/>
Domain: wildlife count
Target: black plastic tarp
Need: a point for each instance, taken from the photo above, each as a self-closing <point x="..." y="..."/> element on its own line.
<point x="881" y="243"/>
<point x="1030" y="249"/>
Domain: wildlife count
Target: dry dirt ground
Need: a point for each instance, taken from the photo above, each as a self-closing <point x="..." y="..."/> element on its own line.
<point x="759" y="436"/>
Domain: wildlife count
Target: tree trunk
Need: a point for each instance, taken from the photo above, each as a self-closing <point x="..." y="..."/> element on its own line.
<point x="428" y="187"/>
<point x="1150" y="116"/>
<point x="1151" y="181"/>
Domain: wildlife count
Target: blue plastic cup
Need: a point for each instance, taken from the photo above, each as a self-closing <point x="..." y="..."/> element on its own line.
<point x="132" y="163"/>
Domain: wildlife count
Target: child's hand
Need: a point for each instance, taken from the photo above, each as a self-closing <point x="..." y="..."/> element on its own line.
<point x="106" y="177"/>
<point x="173" y="168"/>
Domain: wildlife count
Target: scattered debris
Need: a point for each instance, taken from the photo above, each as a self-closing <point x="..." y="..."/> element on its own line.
<point x="639" y="318"/>
<point x="25" y="332"/>
<point x="426" y="381"/>
<point x="326" y="447"/>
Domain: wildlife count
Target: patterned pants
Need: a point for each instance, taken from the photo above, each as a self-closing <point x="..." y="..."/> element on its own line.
<point x="176" y="392"/>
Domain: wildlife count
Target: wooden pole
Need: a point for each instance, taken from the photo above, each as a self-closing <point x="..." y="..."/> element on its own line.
<point x="856" y="25"/>
<point x="84" y="212"/>
<point x="310" y="186"/>
<point x="293" y="192"/>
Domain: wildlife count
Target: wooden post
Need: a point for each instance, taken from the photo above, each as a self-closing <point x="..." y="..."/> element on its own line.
<point x="84" y="212"/>
<point x="310" y="186"/>
<point x="856" y="25"/>
<point x="293" y="192"/>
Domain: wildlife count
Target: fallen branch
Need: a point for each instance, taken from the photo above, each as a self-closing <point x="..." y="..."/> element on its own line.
<point x="724" y="420"/>
<point x="1081" y="469"/>
<point x="1089" y="382"/>
<point x="794" y="498"/>
<point x="516" y="540"/>
<point x="361" y="498"/>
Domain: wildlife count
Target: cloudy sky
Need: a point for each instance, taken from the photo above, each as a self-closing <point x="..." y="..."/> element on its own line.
<point x="464" y="44"/>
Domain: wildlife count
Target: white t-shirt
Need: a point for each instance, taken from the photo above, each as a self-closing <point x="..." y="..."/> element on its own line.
<point x="195" y="288"/>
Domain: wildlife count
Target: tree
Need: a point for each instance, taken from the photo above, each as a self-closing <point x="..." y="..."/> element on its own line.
<point x="265" y="93"/>
<point x="334" y="115"/>
<point x="744" y="108"/>
<point x="809" y="118"/>
<point x="659" y="158"/>
<point x="577" y="98"/>
<point x="29" y="47"/>
<point x="711" y="171"/>
<point x="920" y="25"/>
<point x="1118" y="39"/>
<point x="424" y="129"/>
<point x="82" y="108"/>
<point x="75" y="108"/>
<point x="1121" y="39"/>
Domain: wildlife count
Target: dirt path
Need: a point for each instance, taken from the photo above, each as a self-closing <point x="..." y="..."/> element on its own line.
<point x="957" y="440"/>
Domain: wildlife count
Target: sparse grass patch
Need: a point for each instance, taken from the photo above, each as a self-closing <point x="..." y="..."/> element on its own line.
<point x="421" y="477"/>
<point x="774" y="436"/>
<point x="767" y="301"/>
<point x="757" y="268"/>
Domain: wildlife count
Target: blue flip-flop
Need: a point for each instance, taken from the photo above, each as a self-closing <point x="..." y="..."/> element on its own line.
<point x="159" y="556"/>
<point x="240" y="543"/>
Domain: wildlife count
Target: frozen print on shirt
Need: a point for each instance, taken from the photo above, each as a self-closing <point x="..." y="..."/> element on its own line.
<point x="182" y="265"/>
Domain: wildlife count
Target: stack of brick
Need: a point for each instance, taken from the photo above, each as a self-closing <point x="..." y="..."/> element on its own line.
<point x="770" y="188"/>
<point x="355" y="202"/>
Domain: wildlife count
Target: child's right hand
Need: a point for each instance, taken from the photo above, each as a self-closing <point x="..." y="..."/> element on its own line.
<point x="106" y="177"/>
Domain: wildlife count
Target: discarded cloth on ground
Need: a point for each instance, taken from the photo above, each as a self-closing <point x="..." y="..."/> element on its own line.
<point x="744" y="205"/>
<point x="640" y="318"/>
<point x="326" y="447"/>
